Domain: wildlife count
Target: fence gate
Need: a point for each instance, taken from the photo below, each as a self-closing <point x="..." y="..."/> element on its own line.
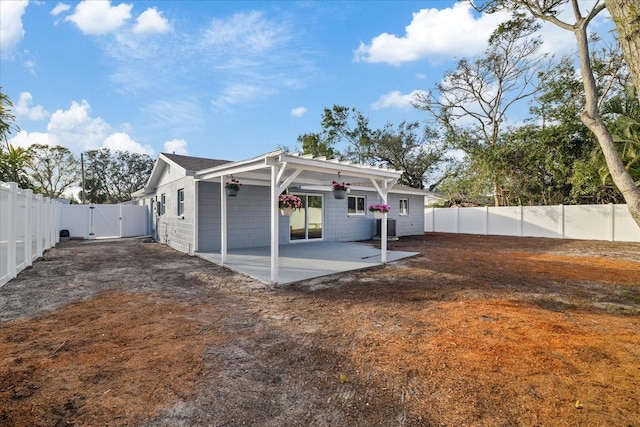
<point x="104" y="221"/>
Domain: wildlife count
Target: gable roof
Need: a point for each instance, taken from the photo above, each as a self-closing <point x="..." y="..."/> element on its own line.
<point x="194" y="163"/>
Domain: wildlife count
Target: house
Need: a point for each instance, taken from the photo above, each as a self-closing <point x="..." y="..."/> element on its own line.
<point x="191" y="211"/>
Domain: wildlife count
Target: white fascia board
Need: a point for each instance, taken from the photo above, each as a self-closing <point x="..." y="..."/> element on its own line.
<point x="230" y="169"/>
<point x="345" y="168"/>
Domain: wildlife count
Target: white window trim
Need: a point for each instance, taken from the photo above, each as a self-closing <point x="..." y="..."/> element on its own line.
<point x="163" y="204"/>
<point x="364" y="209"/>
<point x="400" y="207"/>
<point x="181" y="203"/>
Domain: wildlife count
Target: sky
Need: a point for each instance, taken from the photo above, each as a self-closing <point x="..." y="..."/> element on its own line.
<point x="226" y="79"/>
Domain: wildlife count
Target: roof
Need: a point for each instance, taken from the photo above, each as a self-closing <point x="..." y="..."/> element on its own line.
<point x="194" y="163"/>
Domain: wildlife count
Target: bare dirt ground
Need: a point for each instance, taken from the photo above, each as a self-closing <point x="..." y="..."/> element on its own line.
<point x="478" y="330"/>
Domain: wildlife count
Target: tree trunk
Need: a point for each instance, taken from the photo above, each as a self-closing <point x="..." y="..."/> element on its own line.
<point x="626" y="15"/>
<point x="591" y="118"/>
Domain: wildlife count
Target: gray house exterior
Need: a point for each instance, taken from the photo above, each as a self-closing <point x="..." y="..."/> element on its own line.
<point x="187" y="203"/>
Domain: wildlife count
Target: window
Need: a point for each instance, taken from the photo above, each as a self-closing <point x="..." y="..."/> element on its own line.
<point x="355" y="205"/>
<point x="181" y="202"/>
<point x="404" y="207"/>
<point x="163" y="203"/>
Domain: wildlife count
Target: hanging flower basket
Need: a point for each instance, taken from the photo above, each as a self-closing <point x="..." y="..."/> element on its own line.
<point x="286" y="211"/>
<point x="340" y="189"/>
<point x="379" y="210"/>
<point x="289" y="203"/>
<point x="232" y="187"/>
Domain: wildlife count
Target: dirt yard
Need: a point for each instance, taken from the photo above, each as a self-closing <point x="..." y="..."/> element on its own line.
<point x="478" y="330"/>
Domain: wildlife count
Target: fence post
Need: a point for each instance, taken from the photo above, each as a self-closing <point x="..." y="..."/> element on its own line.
<point x="39" y="225"/>
<point x="458" y="219"/>
<point x="486" y="220"/>
<point x="612" y="222"/>
<point x="28" y="228"/>
<point x="562" y="226"/>
<point x="120" y="221"/>
<point x="521" y="222"/>
<point x="11" y="244"/>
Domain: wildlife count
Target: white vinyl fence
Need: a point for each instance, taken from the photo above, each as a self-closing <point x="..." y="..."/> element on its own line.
<point x="587" y="222"/>
<point x="104" y="221"/>
<point x="28" y="226"/>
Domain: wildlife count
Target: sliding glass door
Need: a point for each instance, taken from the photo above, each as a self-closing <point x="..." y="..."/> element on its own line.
<point x="306" y="223"/>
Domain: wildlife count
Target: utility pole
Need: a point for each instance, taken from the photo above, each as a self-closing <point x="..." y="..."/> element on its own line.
<point x="82" y="168"/>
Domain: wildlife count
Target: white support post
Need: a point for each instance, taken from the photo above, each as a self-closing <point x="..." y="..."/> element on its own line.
<point x="274" y="226"/>
<point x="28" y="227"/>
<point x="383" y="229"/>
<point x="561" y="208"/>
<point x="11" y="220"/>
<point x="223" y="222"/>
<point x="383" y="191"/>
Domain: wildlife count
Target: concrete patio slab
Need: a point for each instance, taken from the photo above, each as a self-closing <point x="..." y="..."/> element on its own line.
<point x="304" y="260"/>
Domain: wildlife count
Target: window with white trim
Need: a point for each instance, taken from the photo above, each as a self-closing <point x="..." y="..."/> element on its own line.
<point x="181" y="202"/>
<point x="404" y="207"/>
<point x="356" y="205"/>
<point x="163" y="203"/>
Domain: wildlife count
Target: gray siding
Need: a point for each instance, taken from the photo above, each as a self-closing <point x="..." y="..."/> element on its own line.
<point x="173" y="230"/>
<point x="248" y="218"/>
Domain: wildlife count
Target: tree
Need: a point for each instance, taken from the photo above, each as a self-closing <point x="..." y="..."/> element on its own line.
<point x="408" y="148"/>
<point x="548" y="10"/>
<point x="484" y="89"/>
<point x="53" y="170"/>
<point x="626" y="15"/>
<point x="128" y="172"/>
<point x="314" y="144"/>
<point x="341" y="126"/>
<point x="113" y="177"/>
<point x="413" y="151"/>
<point x="13" y="166"/>
<point x="7" y="121"/>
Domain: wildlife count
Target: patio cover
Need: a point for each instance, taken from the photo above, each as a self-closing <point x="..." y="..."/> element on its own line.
<point x="279" y="170"/>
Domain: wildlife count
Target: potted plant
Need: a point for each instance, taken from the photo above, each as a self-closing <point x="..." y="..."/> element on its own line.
<point x="232" y="187"/>
<point x="379" y="210"/>
<point x="289" y="203"/>
<point x="340" y="189"/>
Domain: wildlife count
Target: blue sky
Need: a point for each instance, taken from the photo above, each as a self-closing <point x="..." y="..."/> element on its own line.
<point x="224" y="79"/>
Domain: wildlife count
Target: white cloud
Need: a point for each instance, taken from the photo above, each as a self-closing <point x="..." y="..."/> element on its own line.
<point x="23" y="108"/>
<point x="60" y="8"/>
<point x="238" y="93"/>
<point x="151" y="21"/>
<point x="121" y="141"/>
<point x="247" y="31"/>
<point x="395" y="99"/>
<point x="11" y="30"/>
<point x="25" y="139"/>
<point x="176" y="146"/>
<point x="444" y="33"/>
<point x="77" y="130"/>
<point x="97" y="17"/>
<point x="298" y="111"/>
